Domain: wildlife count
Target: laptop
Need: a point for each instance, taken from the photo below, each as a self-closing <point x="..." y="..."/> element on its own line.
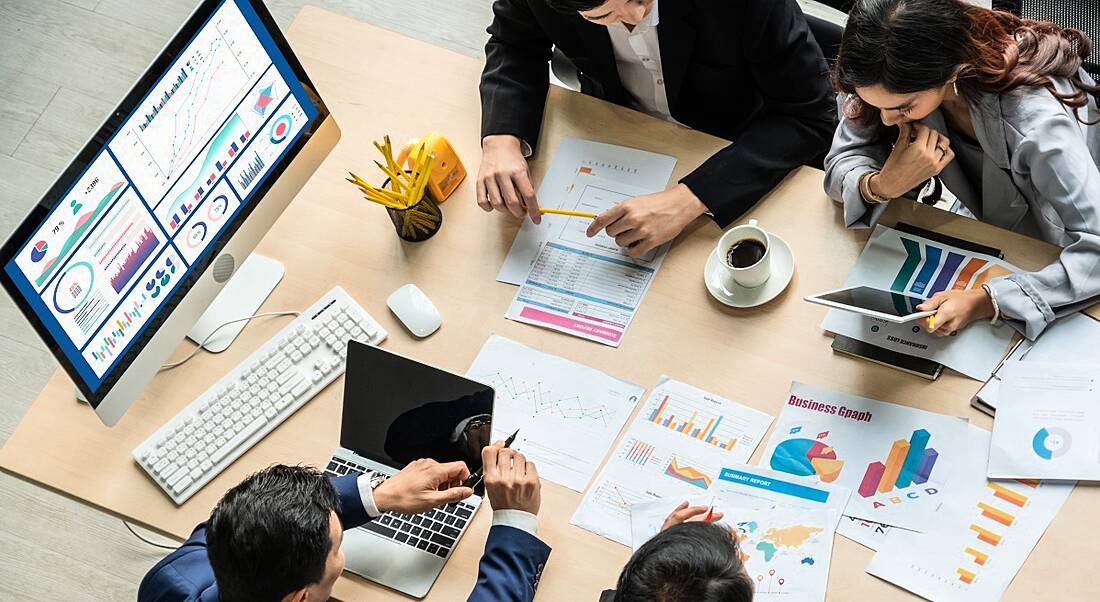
<point x="397" y="410"/>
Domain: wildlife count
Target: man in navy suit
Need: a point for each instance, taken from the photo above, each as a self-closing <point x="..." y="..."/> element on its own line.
<point x="276" y="536"/>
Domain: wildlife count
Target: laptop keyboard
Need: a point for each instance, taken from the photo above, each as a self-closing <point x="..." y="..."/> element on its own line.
<point x="435" y="531"/>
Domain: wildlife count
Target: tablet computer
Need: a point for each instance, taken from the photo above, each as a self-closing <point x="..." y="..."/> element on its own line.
<point x="876" y="303"/>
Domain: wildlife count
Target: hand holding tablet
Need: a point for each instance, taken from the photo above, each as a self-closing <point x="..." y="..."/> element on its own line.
<point x="876" y="303"/>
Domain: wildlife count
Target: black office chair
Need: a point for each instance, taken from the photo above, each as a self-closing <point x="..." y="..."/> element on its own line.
<point x="1078" y="14"/>
<point x="828" y="36"/>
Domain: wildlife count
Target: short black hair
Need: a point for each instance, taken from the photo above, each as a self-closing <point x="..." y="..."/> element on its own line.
<point x="269" y="536"/>
<point x="689" y="562"/>
<point x="574" y="6"/>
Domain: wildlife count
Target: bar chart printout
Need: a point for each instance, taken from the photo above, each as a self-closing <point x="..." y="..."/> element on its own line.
<point x="676" y="447"/>
<point x="978" y="539"/>
<point x="898" y="461"/>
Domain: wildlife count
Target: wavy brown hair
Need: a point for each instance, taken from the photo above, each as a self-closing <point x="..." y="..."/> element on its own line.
<point x="914" y="45"/>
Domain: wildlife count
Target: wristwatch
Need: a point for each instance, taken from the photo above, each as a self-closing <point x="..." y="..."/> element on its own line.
<point x="376" y="479"/>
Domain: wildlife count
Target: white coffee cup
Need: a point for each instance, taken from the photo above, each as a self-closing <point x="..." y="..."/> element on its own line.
<point x="751" y="276"/>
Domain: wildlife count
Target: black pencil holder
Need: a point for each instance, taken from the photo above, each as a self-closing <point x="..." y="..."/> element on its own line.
<point x="420" y="221"/>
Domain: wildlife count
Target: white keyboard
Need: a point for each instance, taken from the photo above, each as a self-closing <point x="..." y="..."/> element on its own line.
<point x="256" y="396"/>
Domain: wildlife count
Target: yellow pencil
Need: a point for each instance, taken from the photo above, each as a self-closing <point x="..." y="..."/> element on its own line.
<point x="569" y="213"/>
<point x="932" y="322"/>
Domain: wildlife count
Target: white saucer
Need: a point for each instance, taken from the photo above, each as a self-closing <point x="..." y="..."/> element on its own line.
<point x="739" y="296"/>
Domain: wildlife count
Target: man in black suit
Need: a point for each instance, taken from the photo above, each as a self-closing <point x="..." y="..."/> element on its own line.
<point x="745" y="70"/>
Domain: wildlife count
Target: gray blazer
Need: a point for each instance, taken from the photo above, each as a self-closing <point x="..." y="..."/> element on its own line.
<point x="1040" y="177"/>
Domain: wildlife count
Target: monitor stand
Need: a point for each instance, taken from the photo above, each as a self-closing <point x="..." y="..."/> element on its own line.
<point x="246" y="291"/>
<point x="241" y="297"/>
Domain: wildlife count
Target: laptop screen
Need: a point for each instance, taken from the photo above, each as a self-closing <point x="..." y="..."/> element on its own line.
<point x="397" y="410"/>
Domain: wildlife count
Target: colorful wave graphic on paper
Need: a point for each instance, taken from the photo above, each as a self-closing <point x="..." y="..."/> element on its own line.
<point x="909" y="462"/>
<point x="807" y="457"/>
<point x="929" y="269"/>
<point x="687" y="474"/>
<point x="83" y="222"/>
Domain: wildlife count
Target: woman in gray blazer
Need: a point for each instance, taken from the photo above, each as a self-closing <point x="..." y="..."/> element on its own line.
<point x="997" y="108"/>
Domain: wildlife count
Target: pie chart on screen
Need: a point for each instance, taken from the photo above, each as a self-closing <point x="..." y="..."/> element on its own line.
<point x="217" y="208"/>
<point x="196" y="235"/>
<point x="280" y="128"/>
<point x="38" y="251"/>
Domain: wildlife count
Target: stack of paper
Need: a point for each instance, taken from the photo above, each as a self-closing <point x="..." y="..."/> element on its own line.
<point x="1068" y="339"/>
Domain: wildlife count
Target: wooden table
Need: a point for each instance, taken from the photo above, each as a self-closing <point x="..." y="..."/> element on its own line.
<point x="329" y="236"/>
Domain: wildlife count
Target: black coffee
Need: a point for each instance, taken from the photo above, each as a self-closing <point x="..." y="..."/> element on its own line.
<point x="746" y="253"/>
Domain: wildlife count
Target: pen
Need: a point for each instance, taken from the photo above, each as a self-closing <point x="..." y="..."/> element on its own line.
<point x="569" y="213"/>
<point x="710" y="514"/>
<point x="473" y="480"/>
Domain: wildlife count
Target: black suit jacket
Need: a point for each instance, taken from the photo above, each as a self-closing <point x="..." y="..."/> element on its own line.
<point x="744" y="70"/>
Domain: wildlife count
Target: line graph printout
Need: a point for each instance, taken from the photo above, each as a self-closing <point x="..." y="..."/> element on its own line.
<point x="158" y="142"/>
<point x="676" y="447"/>
<point x="920" y="267"/>
<point x="619" y="168"/>
<point x="568" y="415"/>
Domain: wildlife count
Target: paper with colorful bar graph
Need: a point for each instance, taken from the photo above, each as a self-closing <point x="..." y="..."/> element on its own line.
<point x="676" y="447"/>
<point x="898" y="461"/>
<point x="978" y="539"/>
<point x="919" y="267"/>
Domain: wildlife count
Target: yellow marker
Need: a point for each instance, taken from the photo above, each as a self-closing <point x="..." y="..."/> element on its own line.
<point x="569" y="213"/>
<point x="932" y="322"/>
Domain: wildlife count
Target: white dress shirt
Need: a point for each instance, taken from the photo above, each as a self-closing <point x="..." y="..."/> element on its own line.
<point x="519" y="519"/>
<point x="638" y="59"/>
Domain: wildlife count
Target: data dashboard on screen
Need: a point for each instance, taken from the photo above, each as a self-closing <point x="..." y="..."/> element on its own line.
<point x="158" y="195"/>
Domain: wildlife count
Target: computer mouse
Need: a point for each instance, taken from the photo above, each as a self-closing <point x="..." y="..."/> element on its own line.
<point x="415" y="310"/>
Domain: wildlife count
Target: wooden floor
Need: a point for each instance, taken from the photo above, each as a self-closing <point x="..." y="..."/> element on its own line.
<point x="63" y="65"/>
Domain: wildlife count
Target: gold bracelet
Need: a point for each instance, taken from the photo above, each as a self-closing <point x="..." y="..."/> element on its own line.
<point x="868" y="194"/>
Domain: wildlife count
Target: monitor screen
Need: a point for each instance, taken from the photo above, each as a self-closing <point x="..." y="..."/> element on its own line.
<point x="397" y="410"/>
<point x="162" y="191"/>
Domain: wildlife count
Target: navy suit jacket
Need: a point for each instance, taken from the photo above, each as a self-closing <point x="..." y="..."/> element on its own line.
<point x="510" y="569"/>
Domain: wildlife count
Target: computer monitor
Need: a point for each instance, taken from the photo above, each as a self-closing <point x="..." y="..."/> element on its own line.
<point x="113" y="266"/>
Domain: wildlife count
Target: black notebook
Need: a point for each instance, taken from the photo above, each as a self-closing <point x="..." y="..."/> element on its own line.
<point x="929" y="369"/>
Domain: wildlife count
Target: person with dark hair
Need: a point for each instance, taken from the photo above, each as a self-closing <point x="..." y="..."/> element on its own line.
<point x="690" y="560"/>
<point x="276" y="536"/>
<point x="996" y="109"/>
<point x="745" y="70"/>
